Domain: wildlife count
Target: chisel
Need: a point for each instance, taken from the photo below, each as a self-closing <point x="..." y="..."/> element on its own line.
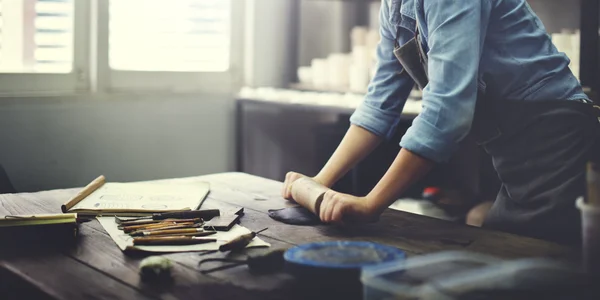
<point x="204" y="214"/>
<point x="240" y="242"/>
<point x="151" y="241"/>
<point x="197" y="231"/>
<point x="169" y="222"/>
<point x="176" y="226"/>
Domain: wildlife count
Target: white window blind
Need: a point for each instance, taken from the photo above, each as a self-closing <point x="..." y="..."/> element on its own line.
<point x="36" y="36"/>
<point x="169" y="35"/>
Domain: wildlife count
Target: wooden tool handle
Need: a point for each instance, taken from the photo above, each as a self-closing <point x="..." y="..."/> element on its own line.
<point x="172" y="241"/>
<point x="192" y="214"/>
<point x="199" y="233"/>
<point x="151" y="229"/>
<point x="238" y="243"/>
<point x="309" y="194"/>
<point x="128" y="229"/>
<point x="86" y="191"/>
<point x="173" y="231"/>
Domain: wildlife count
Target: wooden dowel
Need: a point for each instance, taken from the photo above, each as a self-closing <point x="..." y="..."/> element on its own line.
<point x="86" y="191"/>
<point x="40" y="217"/>
<point x="309" y="194"/>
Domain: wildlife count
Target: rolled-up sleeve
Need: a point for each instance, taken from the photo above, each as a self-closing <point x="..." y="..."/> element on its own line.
<point x="382" y="107"/>
<point x="455" y="42"/>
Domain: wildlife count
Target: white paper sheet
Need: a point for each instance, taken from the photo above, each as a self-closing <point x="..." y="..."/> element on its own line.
<point x="124" y="240"/>
<point x="151" y="197"/>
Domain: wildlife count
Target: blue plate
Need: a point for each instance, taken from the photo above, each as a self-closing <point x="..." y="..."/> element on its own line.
<point x="342" y="255"/>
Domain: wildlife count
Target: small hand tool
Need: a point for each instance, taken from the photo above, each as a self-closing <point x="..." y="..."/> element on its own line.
<point x="270" y="261"/>
<point x="197" y="231"/>
<point x="176" y="226"/>
<point x="237" y="244"/>
<point x="176" y="240"/>
<point x="205" y="214"/>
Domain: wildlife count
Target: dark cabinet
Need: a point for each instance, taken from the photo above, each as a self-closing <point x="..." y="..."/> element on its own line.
<point x="274" y="138"/>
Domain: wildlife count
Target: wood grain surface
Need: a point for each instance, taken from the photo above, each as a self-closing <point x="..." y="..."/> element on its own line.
<point x="95" y="268"/>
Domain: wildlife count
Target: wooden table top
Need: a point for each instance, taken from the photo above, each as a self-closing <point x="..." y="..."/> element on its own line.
<point x="95" y="268"/>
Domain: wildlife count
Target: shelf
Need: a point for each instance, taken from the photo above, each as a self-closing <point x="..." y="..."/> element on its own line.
<point x="411" y="109"/>
<point x="311" y="88"/>
<point x="414" y="95"/>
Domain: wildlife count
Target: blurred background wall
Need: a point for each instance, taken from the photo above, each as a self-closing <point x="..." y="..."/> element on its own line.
<point x="56" y="141"/>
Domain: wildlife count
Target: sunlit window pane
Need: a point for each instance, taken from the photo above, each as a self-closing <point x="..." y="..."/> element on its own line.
<point x="36" y="36"/>
<point x="169" y="35"/>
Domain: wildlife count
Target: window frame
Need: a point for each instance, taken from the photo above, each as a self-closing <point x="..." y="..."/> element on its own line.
<point x="111" y="80"/>
<point x="57" y="83"/>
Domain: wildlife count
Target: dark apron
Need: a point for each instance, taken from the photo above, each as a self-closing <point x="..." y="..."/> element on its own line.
<point x="539" y="150"/>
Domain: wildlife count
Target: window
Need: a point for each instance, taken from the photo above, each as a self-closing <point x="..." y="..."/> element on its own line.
<point x="72" y="46"/>
<point x="43" y="46"/>
<point x="169" y="45"/>
<point x="167" y="35"/>
<point x="36" y="36"/>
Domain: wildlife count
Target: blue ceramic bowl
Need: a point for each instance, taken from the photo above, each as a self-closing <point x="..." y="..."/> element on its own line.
<point x="347" y="255"/>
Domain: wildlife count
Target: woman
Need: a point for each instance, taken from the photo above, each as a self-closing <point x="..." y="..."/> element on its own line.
<point x="489" y="69"/>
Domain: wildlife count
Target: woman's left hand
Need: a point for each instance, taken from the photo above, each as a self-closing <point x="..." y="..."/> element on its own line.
<point x="338" y="208"/>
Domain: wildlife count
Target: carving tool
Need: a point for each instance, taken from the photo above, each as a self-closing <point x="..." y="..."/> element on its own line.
<point x="201" y="233"/>
<point x="150" y="222"/>
<point x="269" y="261"/>
<point x="240" y="242"/>
<point x="128" y="229"/>
<point x="173" y="232"/>
<point x="176" y="240"/>
<point x="177" y="226"/>
<point x="159" y="224"/>
<point x="205" y="214"/>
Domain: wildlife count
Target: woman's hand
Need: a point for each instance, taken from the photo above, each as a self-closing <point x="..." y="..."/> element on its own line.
<point x="338" y="208"/>
<point x="290" y="178"/>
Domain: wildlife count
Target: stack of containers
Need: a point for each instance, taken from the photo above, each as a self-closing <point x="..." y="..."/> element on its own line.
<point x="345" y="71"/>
<point x="362" y="59"/>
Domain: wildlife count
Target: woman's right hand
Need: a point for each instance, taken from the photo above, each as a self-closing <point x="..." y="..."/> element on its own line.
<point x="290" y="178"/>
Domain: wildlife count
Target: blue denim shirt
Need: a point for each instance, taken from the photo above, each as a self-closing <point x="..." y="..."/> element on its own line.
<point x="502" y="41"/>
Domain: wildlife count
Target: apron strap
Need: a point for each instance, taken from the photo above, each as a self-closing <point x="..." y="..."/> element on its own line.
<point x="396" y="44"/>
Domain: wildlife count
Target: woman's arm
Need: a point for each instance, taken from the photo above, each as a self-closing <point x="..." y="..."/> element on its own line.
<point x="357" y="144"/>
<point x="378" y="116"/>
<point x="456" y="33"/>
<point x="404" y="171"/>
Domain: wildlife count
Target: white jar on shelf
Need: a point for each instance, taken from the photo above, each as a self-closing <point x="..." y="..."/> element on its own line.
<point x="320" y="72"/>
<point x="338" y="65"/>
<point x="305" y="75"/>
<point x="361" y="55"/>
<point x="358" y="36"/>
<point x="359" y="78"/>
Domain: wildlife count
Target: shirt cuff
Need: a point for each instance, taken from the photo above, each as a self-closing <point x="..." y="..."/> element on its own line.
<point x="379" y="122"/>
<point x="428" y="141"/>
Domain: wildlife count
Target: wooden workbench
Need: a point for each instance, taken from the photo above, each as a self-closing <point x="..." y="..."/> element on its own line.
<point x="96" y="269"/>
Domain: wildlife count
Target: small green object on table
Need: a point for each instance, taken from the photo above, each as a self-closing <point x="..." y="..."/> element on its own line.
<point x="156" y="268"/>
